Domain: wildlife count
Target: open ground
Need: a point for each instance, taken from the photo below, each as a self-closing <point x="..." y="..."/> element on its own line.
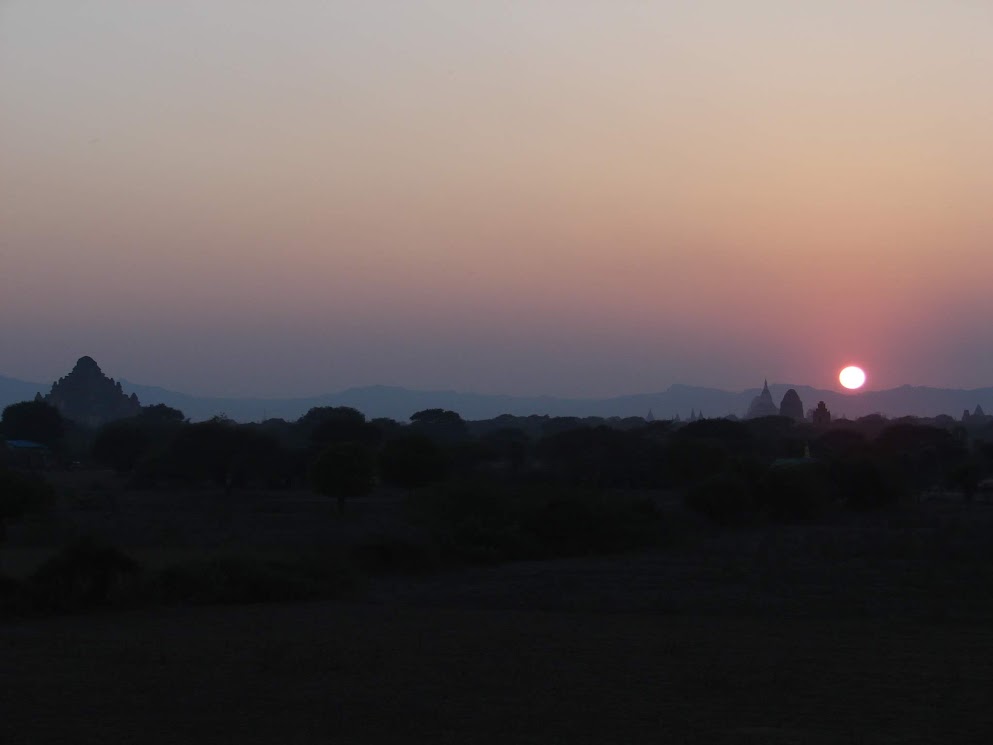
<point x="853" y="629"/>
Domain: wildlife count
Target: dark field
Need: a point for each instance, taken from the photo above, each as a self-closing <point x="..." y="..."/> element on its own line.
<point x="378" y="673"/>
<point x="856" y="629"/>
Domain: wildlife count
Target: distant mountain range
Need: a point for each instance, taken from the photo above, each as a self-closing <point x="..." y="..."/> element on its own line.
<point x="400" y="403"/>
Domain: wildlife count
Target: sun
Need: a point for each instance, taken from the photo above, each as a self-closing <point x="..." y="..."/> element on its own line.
<point x="852" y="377"/>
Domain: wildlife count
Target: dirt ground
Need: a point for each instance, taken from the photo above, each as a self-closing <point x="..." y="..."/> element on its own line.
<point x="872" y="630"/>
<point x="370" y="673"/>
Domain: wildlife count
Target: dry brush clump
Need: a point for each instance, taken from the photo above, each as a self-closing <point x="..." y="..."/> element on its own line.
<point x="89" y="574"/>
<point x="479" y="521"/>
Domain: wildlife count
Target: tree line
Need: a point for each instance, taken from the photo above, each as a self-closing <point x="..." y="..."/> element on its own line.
<point x="727" y="469"/>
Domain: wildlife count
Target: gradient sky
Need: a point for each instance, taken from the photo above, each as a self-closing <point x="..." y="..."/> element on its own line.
<point x="578" y="198"/>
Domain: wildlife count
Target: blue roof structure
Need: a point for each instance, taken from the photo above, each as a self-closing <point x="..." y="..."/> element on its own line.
<point x="25" y="445"/>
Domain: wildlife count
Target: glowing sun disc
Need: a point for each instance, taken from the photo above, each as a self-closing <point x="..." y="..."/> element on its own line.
<point x="852" y="377"/>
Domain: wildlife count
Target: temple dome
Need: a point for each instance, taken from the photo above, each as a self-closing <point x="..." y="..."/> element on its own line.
<point x="762" y="404"/>
<point x="791" y="405"/>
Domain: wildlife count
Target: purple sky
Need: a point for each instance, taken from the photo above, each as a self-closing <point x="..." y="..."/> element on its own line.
<point x="577" y="198"/>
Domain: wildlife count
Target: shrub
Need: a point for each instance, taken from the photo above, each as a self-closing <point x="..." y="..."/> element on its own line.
<point x="587" y="522"/>
<point x="396" y="554"/>
<point x="86" y="574"/>
<point x="866" y="483"/>
<point x="480" y="522"/>
<point x="252" y="580"/>
<point x="21" y="495"/>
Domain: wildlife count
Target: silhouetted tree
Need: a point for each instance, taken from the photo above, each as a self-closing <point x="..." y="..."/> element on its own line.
<point x="343" y="470"/>
<point x="387" y="427"/>
<point x="160" y="414"/>
<point x="966" y="476"/>
<point x="598" y="456"/>
<point x="412" y="461"/>
<point x="866" y="482"/>
<point x="871" y="425"/>
<point x="327" y="424"/>
<point x="440" y="425"/>
<point x="777" y="436"/>
<point x="121" y="444"/>
<point x="925" y="455"/>
<point x="839" y="443"/>
<point x="507" y="446"/>
<point x="36" y="421"/>
<point x="704" y="448"/>
<point x="220" y="451"/>
<point x="560" y="424"/>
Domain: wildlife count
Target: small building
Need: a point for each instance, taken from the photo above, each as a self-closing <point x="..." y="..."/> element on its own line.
<point x="28" y="455"/>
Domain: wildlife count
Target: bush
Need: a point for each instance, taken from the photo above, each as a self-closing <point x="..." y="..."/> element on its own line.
<point x="483" y="522"/>
<point x="252" y="580"/>
<point x="21" y="495"/>
<point x="479" y="523"/>
<point x="87" y="574"/>
<point x="590" y="522"/>
<point x="866" y="483"/>
<point x="724" y="498"/>
<point x="393" y="554"/>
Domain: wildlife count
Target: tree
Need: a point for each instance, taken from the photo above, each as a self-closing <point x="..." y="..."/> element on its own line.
<point x="966" y="476"/>
<point x="343" y="470"/>
<point x="120" y="444"/>
<point x="508" y="445"/>
<point x="221" y="451"/>
<point x="923" y="454"/>
<point x="161" y="414"/>
<point x="412" y="461"/>
<point x="326" y="424"/>
<point x="33" y="420"/>
<point x="124" y="443"/>
<point x="440" y="425"/>
<point x="598" y="456"/>
<point x="706" y="447"/>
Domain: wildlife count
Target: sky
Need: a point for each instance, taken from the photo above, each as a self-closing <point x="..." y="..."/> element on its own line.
<point x="248" y="198"/>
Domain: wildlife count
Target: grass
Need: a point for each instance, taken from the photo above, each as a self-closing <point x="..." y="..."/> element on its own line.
<point x="932" y="560"/>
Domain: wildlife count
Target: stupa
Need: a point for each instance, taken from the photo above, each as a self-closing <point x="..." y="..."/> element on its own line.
<point x="762" y="404"/>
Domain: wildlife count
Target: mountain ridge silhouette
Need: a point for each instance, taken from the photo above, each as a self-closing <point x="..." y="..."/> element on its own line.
<point x="399" y="403"/>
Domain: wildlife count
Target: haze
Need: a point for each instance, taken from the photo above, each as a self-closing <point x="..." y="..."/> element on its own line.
<point x="575" y="198"/>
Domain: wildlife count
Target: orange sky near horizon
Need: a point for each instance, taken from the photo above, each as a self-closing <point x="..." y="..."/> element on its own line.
<point x="581" y="198"/>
